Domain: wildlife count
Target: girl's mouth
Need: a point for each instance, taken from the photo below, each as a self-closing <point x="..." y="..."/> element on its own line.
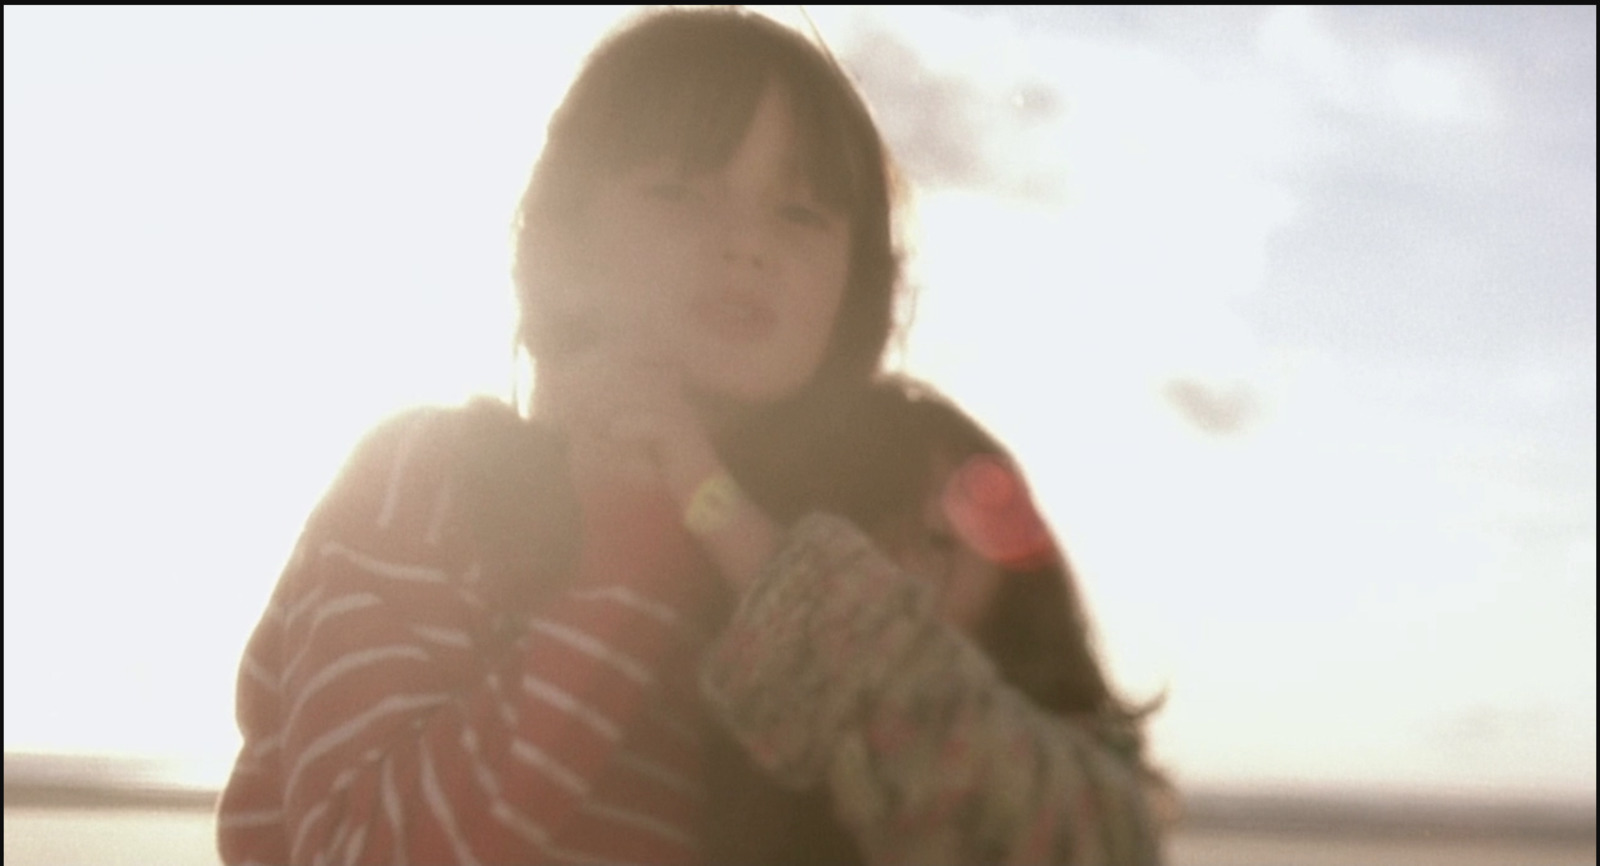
<point x="735" y="315"/>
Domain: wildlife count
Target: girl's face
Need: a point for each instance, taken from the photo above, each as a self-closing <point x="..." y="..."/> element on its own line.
<point x="930" y="548"/>
<point x="734" y="275"/>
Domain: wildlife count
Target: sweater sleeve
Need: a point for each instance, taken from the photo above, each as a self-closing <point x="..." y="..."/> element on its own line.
<point x="376" y="728"/>
<point x="836" y="668"/>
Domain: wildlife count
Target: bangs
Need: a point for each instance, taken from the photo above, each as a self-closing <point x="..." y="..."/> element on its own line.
<point x="689" y="96"/>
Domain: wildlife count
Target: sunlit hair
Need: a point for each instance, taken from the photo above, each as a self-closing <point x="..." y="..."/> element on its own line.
<point x="684" y="84"/>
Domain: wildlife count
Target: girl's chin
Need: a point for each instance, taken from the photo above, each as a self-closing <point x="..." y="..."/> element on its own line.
<point x="724" y="384"/>
<point x="718" y="405"/>
<point x="723" y="402"/>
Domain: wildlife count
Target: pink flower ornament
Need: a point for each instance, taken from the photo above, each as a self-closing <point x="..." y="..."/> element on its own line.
<point x="991" y="510"/>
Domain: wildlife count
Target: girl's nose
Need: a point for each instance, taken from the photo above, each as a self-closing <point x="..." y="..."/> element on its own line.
<point x="745" y="238"/>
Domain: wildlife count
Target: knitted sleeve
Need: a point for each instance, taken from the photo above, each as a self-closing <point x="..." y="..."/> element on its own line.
<point x="836" y="669"/>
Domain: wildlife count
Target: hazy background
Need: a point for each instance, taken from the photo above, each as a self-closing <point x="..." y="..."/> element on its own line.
<point x="1289" y="313"/>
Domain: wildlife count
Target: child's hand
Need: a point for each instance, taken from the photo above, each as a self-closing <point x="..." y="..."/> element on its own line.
<point x="628" y="422"/>
<point x="631" y="429"/>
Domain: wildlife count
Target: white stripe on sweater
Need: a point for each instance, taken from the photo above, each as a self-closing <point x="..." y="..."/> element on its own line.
<point x="536" y="835"/>
<point x="330" y="850"/>
<point x="266" y="746"/>
<point x="308" y="821"/>
<point x="520" y="824"/>
<point x="439" y="805"/>
<point x="441" y="508"/>
<point x="392" y="810"/>
<point x="259" y="674"/>
<point x="358" y="843"/>
<point x="450" y="637"/>
<point x="348" y="663"/>
<point x="343" y="604"/>
<point x="391" y="493"/>
<point x="552" y="769"/>
<point x="570" y="705"/>
<point x="594" y="648"/>
<point x="338" y="736"/>
<point x="293" y="614"/>
<point x="659" y="773"/>
<point x="638" y="821"/>
<point x="347" y="603"/>
<point x="379" y="568"/>
<point x="628" y="598"/>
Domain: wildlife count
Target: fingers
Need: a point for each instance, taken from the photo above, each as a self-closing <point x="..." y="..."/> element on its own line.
<point x="679" y="444"/>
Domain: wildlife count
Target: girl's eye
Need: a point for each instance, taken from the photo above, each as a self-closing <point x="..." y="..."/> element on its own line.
<point x="804" y="215"/>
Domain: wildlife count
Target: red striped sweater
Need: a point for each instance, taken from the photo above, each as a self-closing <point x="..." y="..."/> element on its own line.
<point x="381" y="725"/>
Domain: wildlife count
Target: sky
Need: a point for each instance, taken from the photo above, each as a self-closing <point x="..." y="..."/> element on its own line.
<point x="1288" y="312"/>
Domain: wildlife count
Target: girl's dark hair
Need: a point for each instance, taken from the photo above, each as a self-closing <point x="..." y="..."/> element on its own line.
<point x="684" y="84"/>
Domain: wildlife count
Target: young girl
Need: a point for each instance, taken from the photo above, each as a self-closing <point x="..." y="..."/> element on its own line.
<point x="485" y="647"/>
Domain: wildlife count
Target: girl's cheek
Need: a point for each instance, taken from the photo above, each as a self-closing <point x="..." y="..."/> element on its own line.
<point x="652" y="253"/>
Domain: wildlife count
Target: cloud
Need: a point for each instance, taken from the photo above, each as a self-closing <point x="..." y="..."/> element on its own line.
<point x="951" y="128"/>
<point x="1413" y="244"/>
<point x="1448" y="207"/>
<point x="927" y="117"/>
<point x="1439" y="161"/>
<point x="1218" y="409"/>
